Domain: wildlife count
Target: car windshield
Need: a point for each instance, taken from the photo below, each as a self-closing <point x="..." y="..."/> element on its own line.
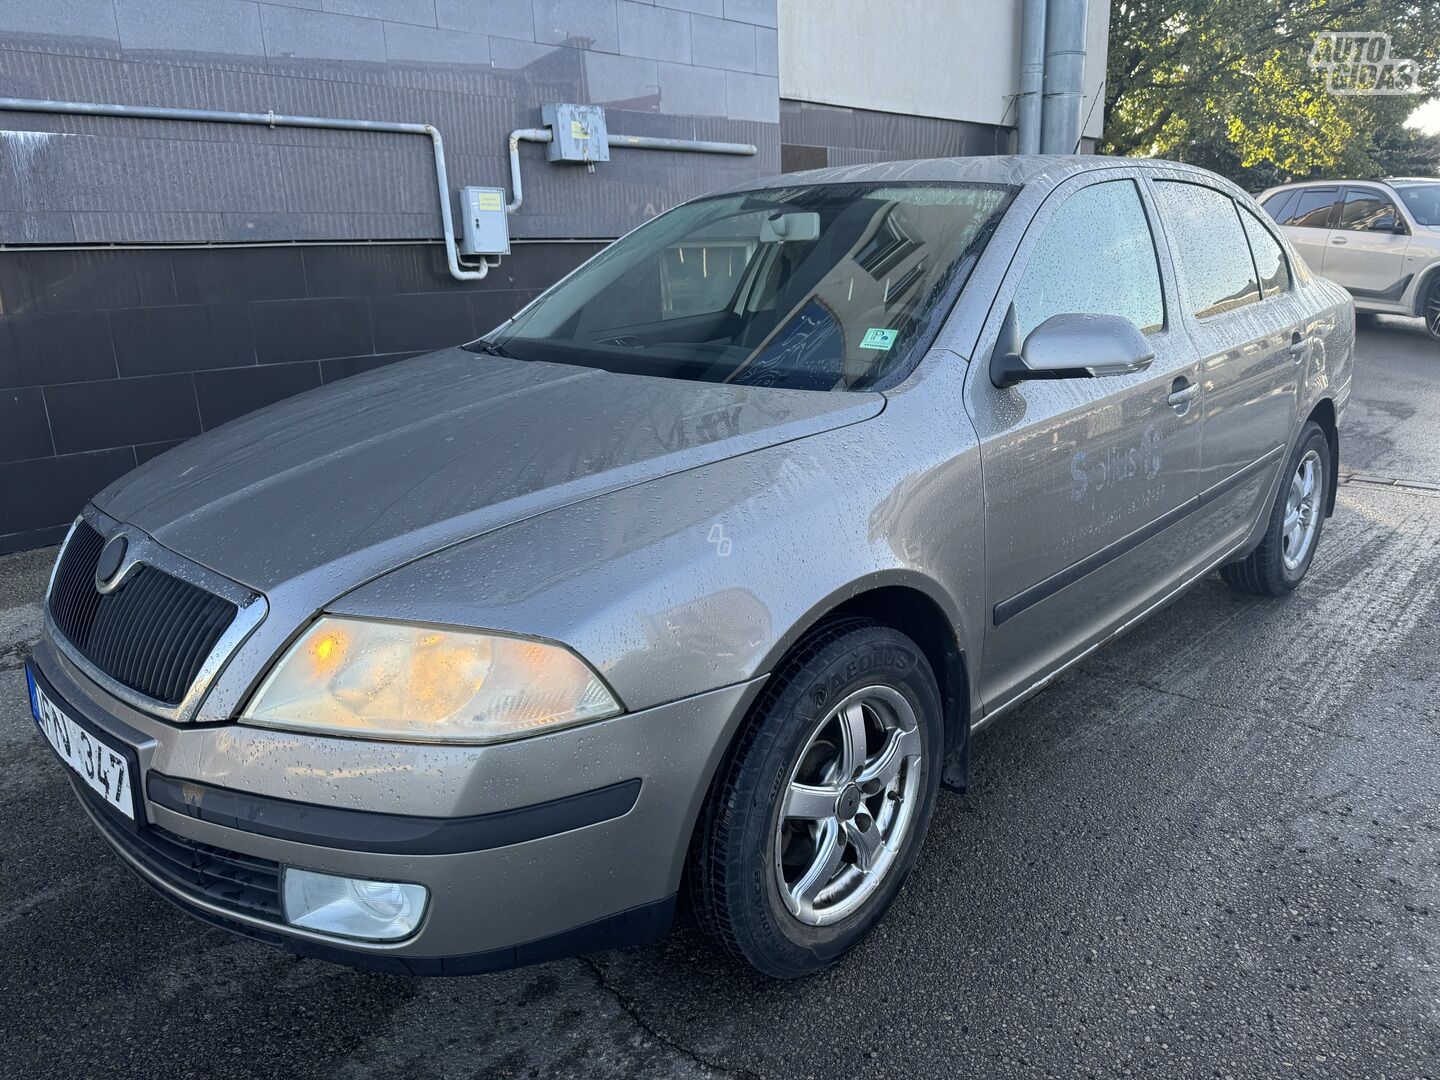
<point x="816" y="287"/>
<point x="1422" y="200"/>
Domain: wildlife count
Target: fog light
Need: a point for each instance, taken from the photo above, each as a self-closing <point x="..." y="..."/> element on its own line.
<point x="352" y="907"/>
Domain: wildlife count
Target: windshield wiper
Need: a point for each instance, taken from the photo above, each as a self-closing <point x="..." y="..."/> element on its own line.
<point x="492" y="348"/>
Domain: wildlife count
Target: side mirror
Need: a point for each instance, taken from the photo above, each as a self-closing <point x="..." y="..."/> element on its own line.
<point x="1070" y="347"/>
<point x="1389" y="223"/>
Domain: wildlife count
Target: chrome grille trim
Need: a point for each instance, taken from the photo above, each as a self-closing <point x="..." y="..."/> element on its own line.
<point x="251" y="609"/>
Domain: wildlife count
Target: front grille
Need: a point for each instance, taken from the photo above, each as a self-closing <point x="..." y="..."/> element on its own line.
<point x="152" y="634"/>
<point x="239" y="883"/>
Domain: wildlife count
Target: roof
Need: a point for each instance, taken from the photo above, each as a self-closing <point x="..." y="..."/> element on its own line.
<point x="1016" y="170"/>
<point x="1336" y="181"/>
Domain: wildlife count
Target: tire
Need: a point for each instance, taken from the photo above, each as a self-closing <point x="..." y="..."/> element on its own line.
<point x="1430" y="310"/>
<point x="757" y="879"/>
<point x="1288" y="546"/>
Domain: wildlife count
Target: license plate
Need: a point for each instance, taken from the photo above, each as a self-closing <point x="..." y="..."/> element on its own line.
<point x="102" y="767"/>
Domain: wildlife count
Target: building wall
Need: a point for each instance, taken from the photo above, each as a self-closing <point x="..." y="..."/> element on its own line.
<point x="112" y="348"/>
<point x="918" y="58"/>
<point x="817" y="136"/>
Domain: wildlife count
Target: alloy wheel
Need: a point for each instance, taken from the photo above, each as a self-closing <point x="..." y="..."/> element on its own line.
<point x="1432" y="311"/>
<point x="1302" y="511"/>
<point x="848" y="805"/>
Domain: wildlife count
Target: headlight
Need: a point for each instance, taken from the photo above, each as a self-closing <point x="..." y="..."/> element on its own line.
<point x="386" y="680"/>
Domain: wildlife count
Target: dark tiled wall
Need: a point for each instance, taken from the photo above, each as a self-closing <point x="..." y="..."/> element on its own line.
<point x="816" y="136"/>
<point x="108" y="357"/>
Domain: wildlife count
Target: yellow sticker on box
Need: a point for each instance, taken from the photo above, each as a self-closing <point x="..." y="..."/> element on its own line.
<point x="577" y="130"/>
<point x="489" y="200"/>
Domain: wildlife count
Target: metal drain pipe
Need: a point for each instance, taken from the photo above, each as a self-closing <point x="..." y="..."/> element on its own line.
<point x="1060" y="125"/>
<point x="1032" y="76"/>
<point x="616" y="142"/>
<point x="273" y="120"/>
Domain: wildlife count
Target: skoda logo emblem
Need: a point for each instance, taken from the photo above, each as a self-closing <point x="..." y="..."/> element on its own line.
<point x="112" y="558"/>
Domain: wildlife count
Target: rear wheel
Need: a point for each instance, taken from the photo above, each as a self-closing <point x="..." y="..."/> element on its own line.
<point x="1293" y="531"/>
<point x="810" y="831"/>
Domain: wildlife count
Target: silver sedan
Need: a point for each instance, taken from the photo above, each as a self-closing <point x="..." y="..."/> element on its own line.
<point x="695" y="577"/>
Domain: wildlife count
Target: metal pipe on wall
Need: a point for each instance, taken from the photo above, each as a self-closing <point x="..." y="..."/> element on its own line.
<point x="1064" y="75"/>
<point x="270" y="119"/>
<point x="1032" y="75"/>
<point x="615" y="142"/>
<point x="517" y="194"/>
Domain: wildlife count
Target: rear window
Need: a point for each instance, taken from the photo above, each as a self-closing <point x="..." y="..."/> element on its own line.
<point x="1279" y="203"/>
<point x="1312" y="209"/>
<point x="1270" y="258"/>
<point x="1209" y="243"/>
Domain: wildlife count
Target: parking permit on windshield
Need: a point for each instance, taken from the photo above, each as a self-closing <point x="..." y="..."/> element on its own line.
<point x="876" y="338"/>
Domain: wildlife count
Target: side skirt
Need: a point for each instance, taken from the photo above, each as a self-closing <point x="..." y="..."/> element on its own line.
<point x="1033" y="689"/>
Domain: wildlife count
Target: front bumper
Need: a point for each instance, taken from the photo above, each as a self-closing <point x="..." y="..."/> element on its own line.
<point x="543" y="847"/>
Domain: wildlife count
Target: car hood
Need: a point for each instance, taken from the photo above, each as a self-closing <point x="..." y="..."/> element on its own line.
<point x="354" y="479"/>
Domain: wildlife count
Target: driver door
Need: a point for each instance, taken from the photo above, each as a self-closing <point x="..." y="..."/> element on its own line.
<point x="1082" y="477"/>
<point x="1367" y="249"/>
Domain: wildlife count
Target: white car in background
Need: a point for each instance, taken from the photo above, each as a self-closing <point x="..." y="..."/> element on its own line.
<point x="1380" y="239"/>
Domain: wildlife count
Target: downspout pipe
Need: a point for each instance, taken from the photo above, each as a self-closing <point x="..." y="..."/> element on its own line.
<point x="1032" y="75"/>
<point x="274" y="120"/>
<point x="1064" y="76"/>
<point x="615" y="142"/>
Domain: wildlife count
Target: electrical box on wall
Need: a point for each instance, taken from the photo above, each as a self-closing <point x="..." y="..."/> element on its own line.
<point x="485" y="227"/>
<point x="577" y="133"/>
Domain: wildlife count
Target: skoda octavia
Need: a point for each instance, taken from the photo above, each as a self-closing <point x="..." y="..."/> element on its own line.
<point x="695" y="577"/>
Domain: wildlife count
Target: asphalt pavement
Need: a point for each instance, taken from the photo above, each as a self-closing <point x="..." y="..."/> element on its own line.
<point x="1211" y="850"/>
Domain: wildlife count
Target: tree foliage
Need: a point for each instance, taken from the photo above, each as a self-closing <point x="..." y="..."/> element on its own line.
<point x="1227" y="84"/>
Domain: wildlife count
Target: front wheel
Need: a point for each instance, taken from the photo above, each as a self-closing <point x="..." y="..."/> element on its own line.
<point x="1296" y="519"/>
<point x="812" y="827"/>
<point x="1432" y="308"/>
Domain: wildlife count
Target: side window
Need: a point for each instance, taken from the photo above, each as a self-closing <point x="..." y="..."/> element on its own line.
<point x="1269" y="255"/>
<point x="1363" y="208"/>
<point x="1209" y="243"/>
<point x="1277" y="205"/>
<point x="1312" y="209"/>
<point x="1096" y="257"/>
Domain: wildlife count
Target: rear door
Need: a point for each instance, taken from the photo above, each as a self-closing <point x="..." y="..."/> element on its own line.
<point x="1081" y="476"/>
<point x="1366" y="254"/>
<point x="1247" y="323"/>
<point x="1307" y="220"/>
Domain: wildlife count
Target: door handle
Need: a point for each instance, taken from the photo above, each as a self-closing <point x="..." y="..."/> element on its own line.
<point x="1338" y="240"/>
<point x="1298" y="345"/>
<point x="1182" y="393"/>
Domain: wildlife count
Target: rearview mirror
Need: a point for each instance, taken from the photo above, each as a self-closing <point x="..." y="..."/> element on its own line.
<point x="1071" y="346"/>
<point x="796" y="226"/>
